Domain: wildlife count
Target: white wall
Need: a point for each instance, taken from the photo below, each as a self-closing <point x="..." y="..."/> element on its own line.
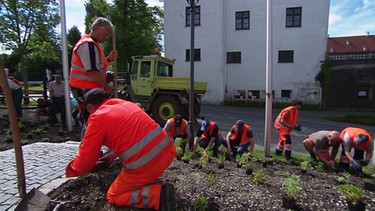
<point x="217" y="35"/>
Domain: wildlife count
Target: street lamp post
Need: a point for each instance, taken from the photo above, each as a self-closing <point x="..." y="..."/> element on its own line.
<point x="191" y="93"/>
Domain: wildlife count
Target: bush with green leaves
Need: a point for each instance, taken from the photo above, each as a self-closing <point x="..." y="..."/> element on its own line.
<point x="352" y="193"/>
<point x="201" y="203"/>
<point x="187" y="156"/>
<point x="222" y="157"/>
<point x="242" y="159"/>
<point x="293" y="187"/>
<point x="305" y="165"/>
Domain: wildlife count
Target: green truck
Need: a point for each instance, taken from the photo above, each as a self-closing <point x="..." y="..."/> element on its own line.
<point x="151" y="83"/>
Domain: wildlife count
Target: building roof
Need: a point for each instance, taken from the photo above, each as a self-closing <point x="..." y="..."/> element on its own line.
<point x="351" y="44"/>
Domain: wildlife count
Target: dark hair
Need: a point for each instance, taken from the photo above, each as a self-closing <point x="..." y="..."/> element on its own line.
<point x="296" y="102"/>
<point x="95" y="96"/>
<point x="362" y="138"/>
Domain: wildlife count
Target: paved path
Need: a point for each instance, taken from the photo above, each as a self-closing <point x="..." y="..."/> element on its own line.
<point x="44" y="162"/>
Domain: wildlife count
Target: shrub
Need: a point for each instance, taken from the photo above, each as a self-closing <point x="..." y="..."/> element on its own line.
<point x="211" y="179"/>
<point x="352" y="193"/>
<point x="293" y="187"/>
<point x="259" y="177"/>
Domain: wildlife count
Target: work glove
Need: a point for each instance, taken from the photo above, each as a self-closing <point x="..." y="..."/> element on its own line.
<point x="364" y="162"/>
<point x="297" y="128"/>
<point x="356" y="166"/>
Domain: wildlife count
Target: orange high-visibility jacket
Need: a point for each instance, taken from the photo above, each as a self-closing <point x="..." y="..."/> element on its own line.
<point x="244" y="138"/>
<point x="353" y="132"/>
<point x="289" y="115"/>
<point x="79" y="77"/>
<point x="182" y="127"/>
<point x="133" y="136"/>
<point x="209" y="134"/>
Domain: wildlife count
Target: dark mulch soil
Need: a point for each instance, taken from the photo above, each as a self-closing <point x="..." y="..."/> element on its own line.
<point x="233" y="189"/>
<point x="226" y="189"/>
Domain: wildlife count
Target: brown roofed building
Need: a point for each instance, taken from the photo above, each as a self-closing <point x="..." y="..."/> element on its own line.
<point x="352" y="76"/>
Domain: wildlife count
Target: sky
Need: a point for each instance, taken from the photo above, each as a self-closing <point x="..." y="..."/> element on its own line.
<point x="346" y="18"/>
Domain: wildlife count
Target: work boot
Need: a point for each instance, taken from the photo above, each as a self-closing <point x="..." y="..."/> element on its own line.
<point x="167" y="201"/>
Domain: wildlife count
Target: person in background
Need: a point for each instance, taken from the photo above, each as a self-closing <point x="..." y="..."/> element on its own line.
<point x="178" y="127"/>
<point x="57" y="97"/>
<point x="17" y="95"/>
<point x="361" y="140"/>
<point x="285" y="122"/>
<point x="76" y="106"/>
<point x="239" y="140"/>
<point x="209" y="137"/>
<point x="318" y="144"/>
<point x="89" y="63"/>
<point x="144" y="149"/>
<point x="43" y="109"/>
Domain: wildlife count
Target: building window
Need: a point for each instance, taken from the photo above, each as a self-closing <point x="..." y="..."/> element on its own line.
<point x="233" y="57"/>
<point x="197" y="16"/>
<point x="197" y="55"/>
<point x="242" y="20"/>
<point x="363" y="94"/>
<point x="286" y="56"/>
<point x="286" y="93"/>
<point x="294" y="17"/>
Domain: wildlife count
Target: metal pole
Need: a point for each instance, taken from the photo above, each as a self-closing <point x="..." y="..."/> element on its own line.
<point x="65" y="66"/>
<point x="269" y="95"/>
<point x="192" y="55"/>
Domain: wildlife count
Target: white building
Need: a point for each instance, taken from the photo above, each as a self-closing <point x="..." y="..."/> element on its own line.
<point x="230" y="46"/>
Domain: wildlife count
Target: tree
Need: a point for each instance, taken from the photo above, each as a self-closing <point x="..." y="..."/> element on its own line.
<point x="73" y="36"/>
<point x="19" y="20"/>
<point x="138" y="28"/>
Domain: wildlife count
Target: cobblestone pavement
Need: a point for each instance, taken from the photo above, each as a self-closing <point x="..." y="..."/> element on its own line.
<point x="43" y="163"/>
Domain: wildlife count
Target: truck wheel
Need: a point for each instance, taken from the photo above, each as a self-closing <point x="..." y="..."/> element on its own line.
<point x="165" y="107"/>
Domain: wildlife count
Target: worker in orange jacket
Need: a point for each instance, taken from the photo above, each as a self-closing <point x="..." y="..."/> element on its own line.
<point x="361" y="140"/>
<point x="318" y="144"/>
<point x="89" y="63"/>
<point x="178" y="127"/>
<point x="285" y="122"/>
<point x="209" y="137"/>
<point x="240" y="139"/>
<point x="144" y="149"/>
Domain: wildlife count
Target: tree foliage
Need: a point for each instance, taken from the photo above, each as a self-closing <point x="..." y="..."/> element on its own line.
<point x="23" y="21"/>
<point x="138" y="28"/>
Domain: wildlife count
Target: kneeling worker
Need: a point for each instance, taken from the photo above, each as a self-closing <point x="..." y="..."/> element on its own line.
<point x="240" y="139"/>
<point x="144" y="149"/>
<point x="321" y="141"/>
<point x="178" y="127"/>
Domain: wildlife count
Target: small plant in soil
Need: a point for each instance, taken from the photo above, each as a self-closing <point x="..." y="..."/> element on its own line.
<point x="30" y="135"/>
<point x="24" y="142"/>
<point x="305" y="166"/>
<point x="241" y="160"/>
<point x="45" y="139"/>
<point x="203" y="161"/>
<point x="353" y="194"/>
<point x="21" y="126"/>
<point x="369" y="184"/>
<point x="222" y="157"/>
<point x="293" y="189"/>
<point x="249" y="168"/>
<point x="201" y="203"/>
<point x="320" y="166"/>
<point x="345" y="178"/>
<point x="211" y="179"/>
<point x="179" y="153"/>
<point x="259" y="177"/>
<point x="187" y="156"/>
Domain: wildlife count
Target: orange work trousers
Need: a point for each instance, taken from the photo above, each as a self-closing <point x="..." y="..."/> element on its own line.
<point x="139" y="189"/>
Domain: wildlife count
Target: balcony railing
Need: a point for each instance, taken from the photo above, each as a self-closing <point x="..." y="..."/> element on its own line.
<point x="352" y="58"/>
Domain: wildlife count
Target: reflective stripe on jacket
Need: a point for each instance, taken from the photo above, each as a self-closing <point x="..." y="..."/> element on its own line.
<point x="244" y="138"/>
<point x="289" y="115"/>
<point x="79" y="77"/>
